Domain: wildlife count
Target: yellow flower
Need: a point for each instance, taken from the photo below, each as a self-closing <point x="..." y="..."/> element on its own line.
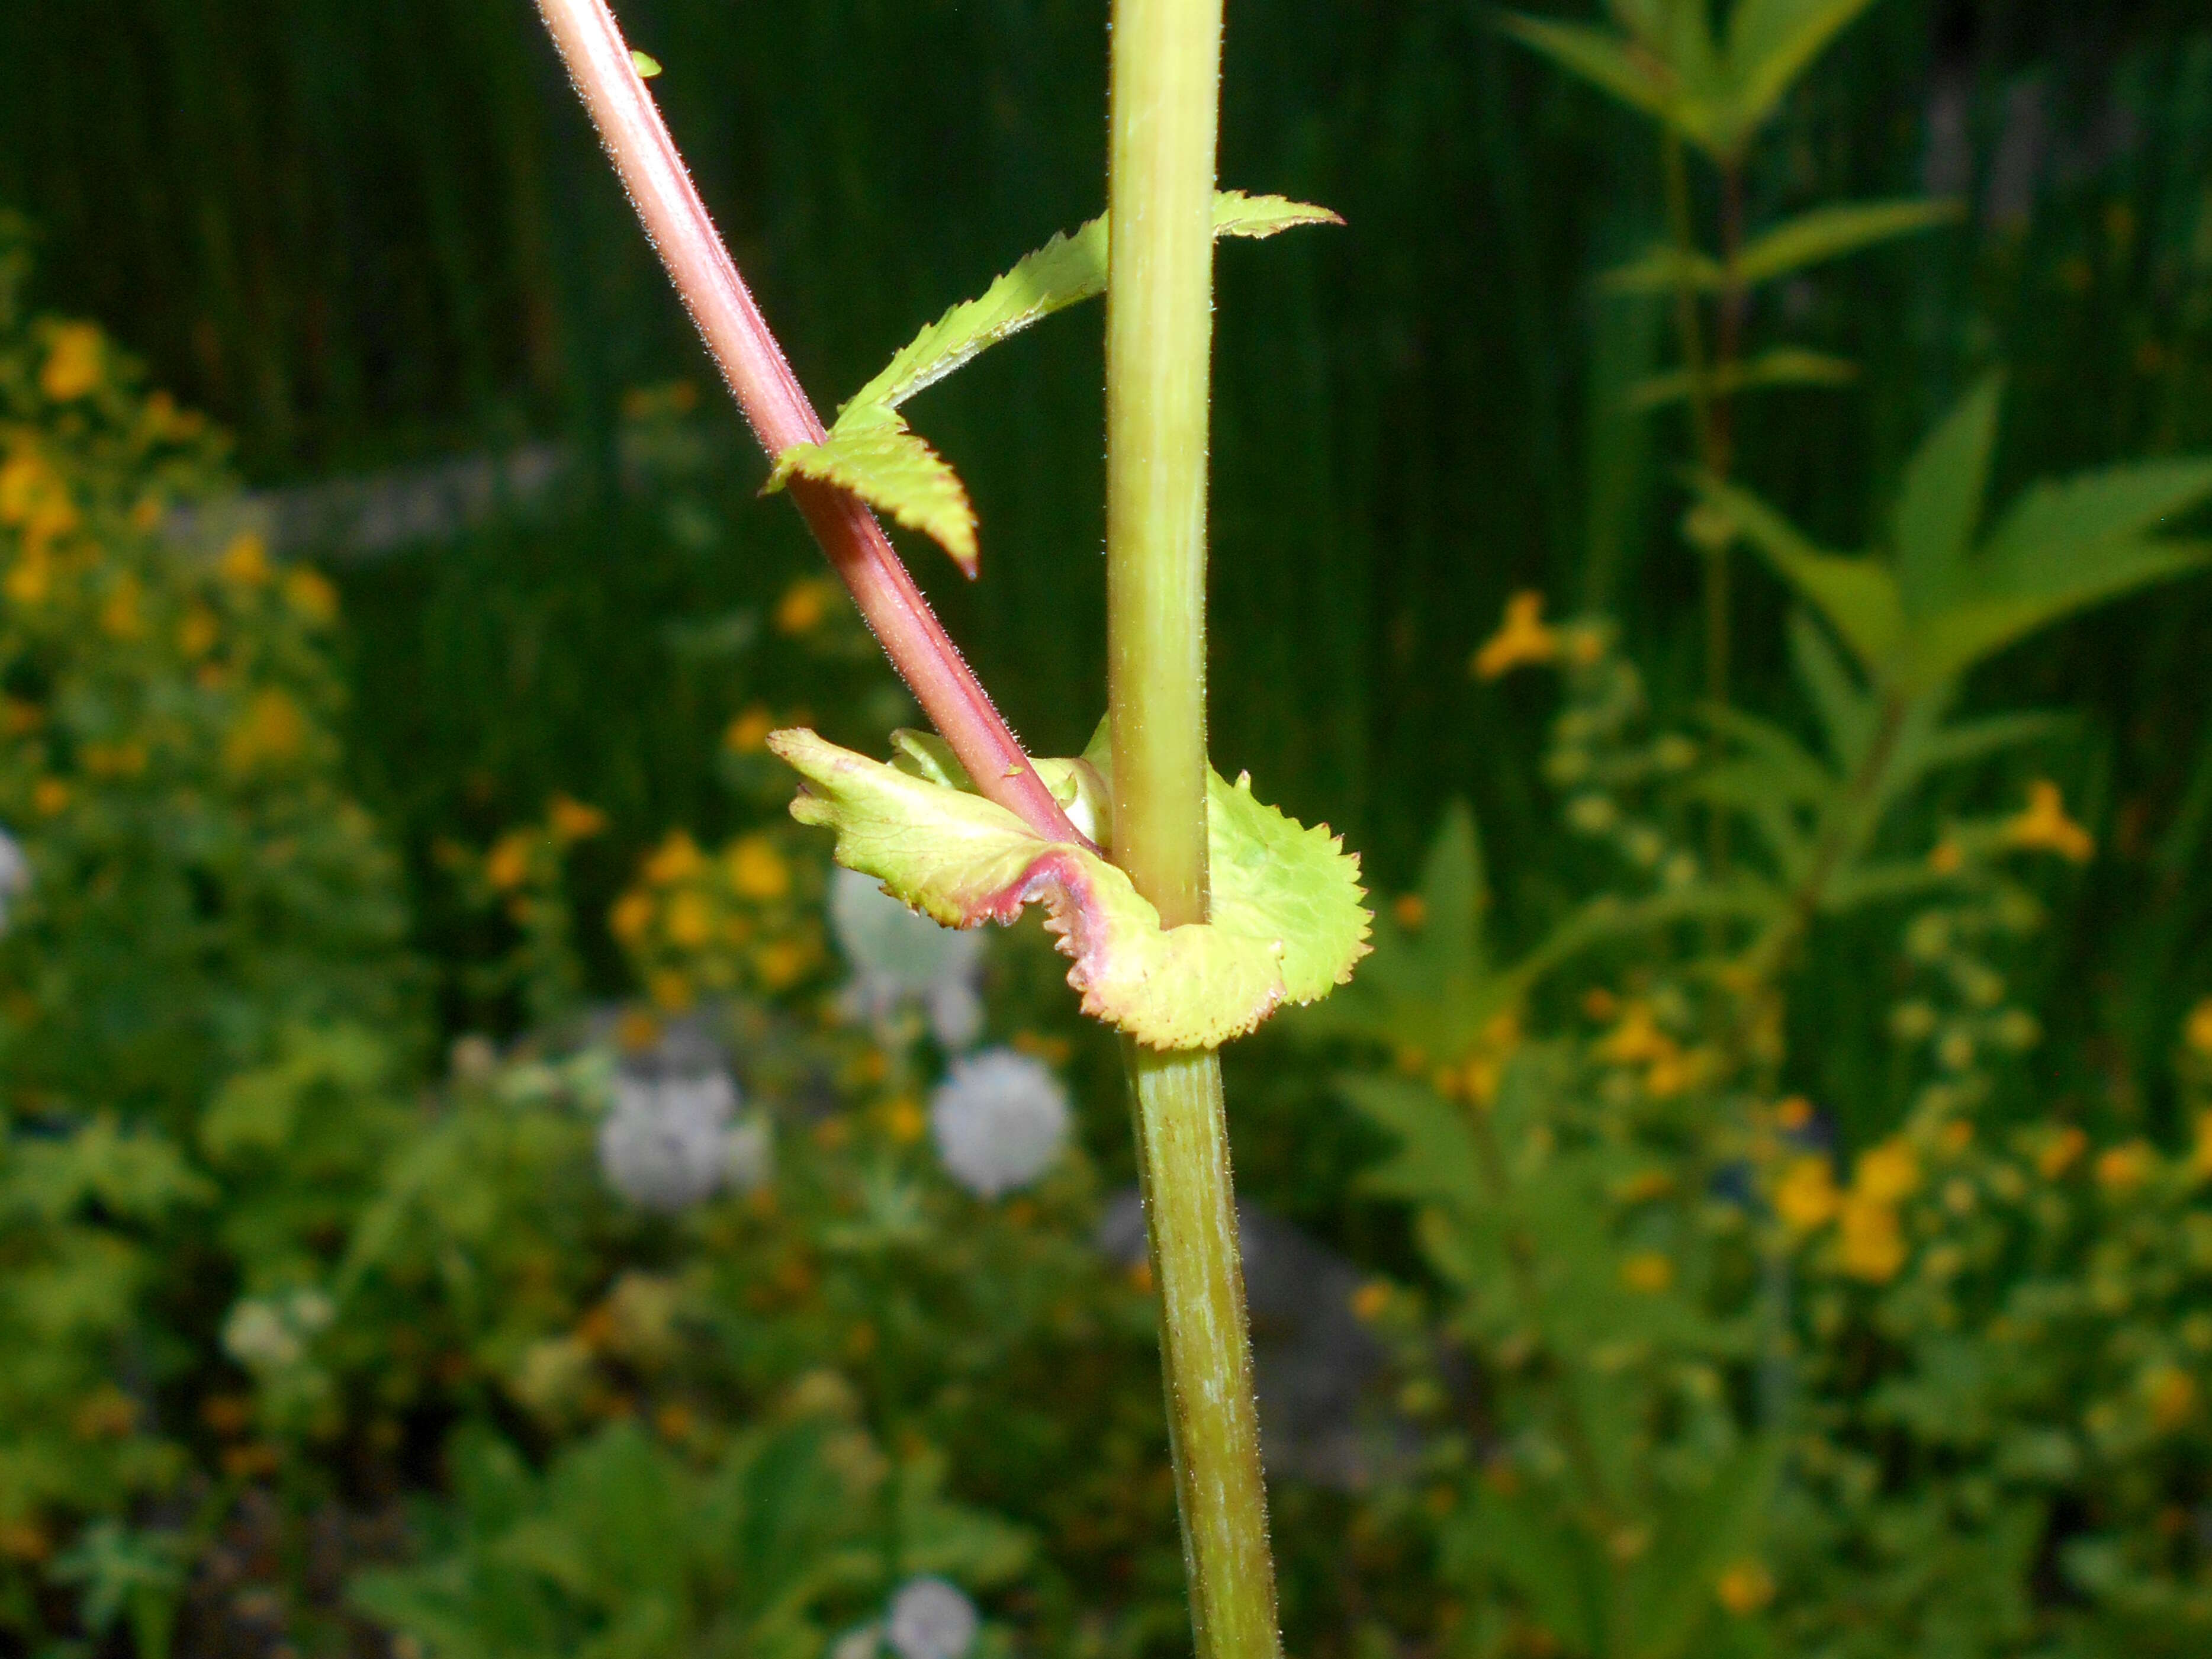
<point x="50" y="796"/>
<point x="507" y="865"/>
<point x="2043" y="825"/>
<point x="1806" y="1197"/>
<point x="1792" y="1113"/>
<point x="272" y="729"/>
<point x="2198" y="1031"/>
<point x="904" y="1119"/>
<point x="198" y="631"/>
<point x="804" y="605"/>
<point x="780" y="962"/>
<point x="2121" y="1168"/>
<point x="1369" y="1301"/>
<point x="670" y="990"/>
<point x="311" y="595"/>
<point x="757" y="870"/>
<point x="689" y="923"/>
<point x="1636" y="1039"/>
<point x="2060" y="1152"/>
<point x="245" y="561"/>
<point x="1873" y="1243"/>
<point x="1647" y="1272"/>
<point x="1522" y="638"/>
<point x="675" y="860"/>
<point x="630" y="915"/>
<point x="1885" y="1173"/>
<point x="2171" y="1394"/>
<point x="1745" y="1587"/>
<point x="1411" y="910"/>
<point x="118" y="617"/>
<point x="1945" y="857"/>
<point x="73" y="362"/>
<point x="748" y="733"/>
<point x="636" y="1030"/>
<point x="572" y="820"/>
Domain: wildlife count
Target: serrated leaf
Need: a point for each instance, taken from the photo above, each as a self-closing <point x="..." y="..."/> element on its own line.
<point x="1067" y="271"/>
<point x="1987" y="621"/>
<point x="1287" y="925"/>
<point x="1784" y="366"/>
<point x="876" y="455"/>
<point x="2056" y="519"/>
<point x="1940" y="507"/>
<point x="1830" y="233"/>
<point x="1856" y="596"/>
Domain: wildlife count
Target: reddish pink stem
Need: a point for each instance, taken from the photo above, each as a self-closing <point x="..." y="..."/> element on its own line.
<point x="776" y="407"/>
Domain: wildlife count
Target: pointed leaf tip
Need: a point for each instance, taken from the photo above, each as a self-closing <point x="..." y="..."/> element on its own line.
<point x="1287" y="926"/>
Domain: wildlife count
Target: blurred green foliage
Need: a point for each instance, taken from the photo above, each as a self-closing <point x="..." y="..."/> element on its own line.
<point x="1796" y="1243"/>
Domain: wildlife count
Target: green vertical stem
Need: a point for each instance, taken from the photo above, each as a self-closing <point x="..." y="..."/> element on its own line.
<point x="1163" y="131"/>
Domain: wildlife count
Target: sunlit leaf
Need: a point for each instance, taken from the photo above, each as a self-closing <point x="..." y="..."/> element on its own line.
<point x="1286" y="922"/>
<point x="873" y="454"/>
<point x="1830" y="233"/>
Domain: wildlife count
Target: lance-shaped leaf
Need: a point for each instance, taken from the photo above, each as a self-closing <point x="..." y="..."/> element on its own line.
<point x="1783" y="366"/>
<point x="1286" y="922"/>
<point x="1771" y="44"/>
<point x="871" y="451"/>
<point x="1830" y="233"/>
<point x="1942" y="603"/>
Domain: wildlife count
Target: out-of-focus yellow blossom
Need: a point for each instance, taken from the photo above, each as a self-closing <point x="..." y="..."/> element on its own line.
<point x="1871" y="1240"/>
<point x="1806" y="1196"/>
<point x="1945" y="858"/>
<point x="310" y="595"/>
<point x="1885" y="1173"/>
<point x="74" y="363"/>
<point x="50" y="796"/>
<point x="905" y="1121"/>
<point x="245" y="561"/>
<point x="271" y="731"/>
<point x="119" y="614"/>
<point x="1410" y="910"/>
<point x="1637" y="1040"/>
<point x="2043" y="825"/>
<point x="1522" y="638"/>
<point x="805" y="604"/>
<point x="571" y="820"/>
<point x="2061" y="1152"/>
<point x="756" y="869"/>
<point x="506" y="867"/>
<point x="1369" y="1301"/>
<point x="636" y="1030"/>
<point x="676" y="858"/>
<point x="630" y="915"/>
<point x="688" y="922"/>
<point x="197" y="632"/>
<point x="2197" y="1033"/>
<point x="1792" y="1113"/>
<point x="2123" y="1168"/>
<point x="670" y="990"/>
<point x="1647" y="1271"/>
<point x="1744" y="1588"/>
<point x="747" y="734"/>
<point x="2171" y="1394"/>
<point x="781" y="963"/>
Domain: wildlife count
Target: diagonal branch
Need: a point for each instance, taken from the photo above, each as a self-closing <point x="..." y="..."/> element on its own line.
<point x="753" y="366"/>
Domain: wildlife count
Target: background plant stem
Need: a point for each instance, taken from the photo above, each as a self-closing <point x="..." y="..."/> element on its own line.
<point x="1165" y="100"/>
<point x="776" y="407"/>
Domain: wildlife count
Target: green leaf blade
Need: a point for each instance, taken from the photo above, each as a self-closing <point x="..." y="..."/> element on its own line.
<point x="873" y="454"/>
<point x="1830" y="233"/>
<point x="1857" y="597"/>
<point x="1287" y="925"/>
<point x="1632" y="74"/>
<point x="1783" y="366"/>
<point x="1940" y="507"/>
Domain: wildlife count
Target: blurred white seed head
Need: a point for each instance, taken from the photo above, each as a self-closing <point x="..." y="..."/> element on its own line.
<point x="669" y="1142"/>
<point x="271" y="1333"/>
<point x="14" y="875"/>
<point x="901" y="959"/>
<point x="1000" y="1119"/>
<point x="930" y="1619"/>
